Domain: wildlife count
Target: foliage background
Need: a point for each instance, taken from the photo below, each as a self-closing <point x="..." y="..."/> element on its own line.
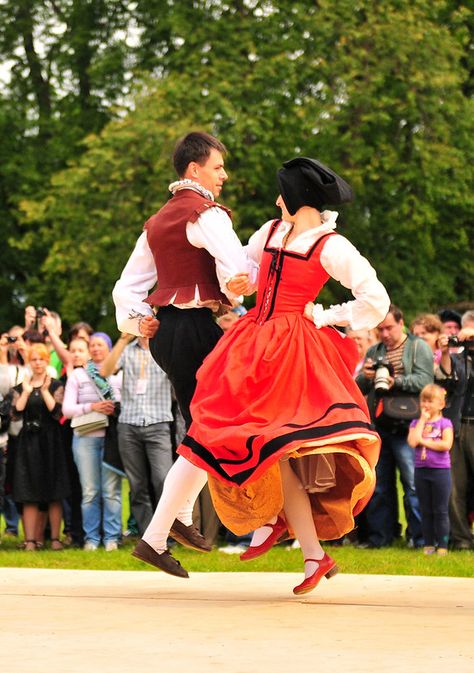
<point x="96" y="93"/>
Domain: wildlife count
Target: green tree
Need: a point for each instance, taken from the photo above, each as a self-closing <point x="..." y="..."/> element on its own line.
<point x="379" y="91"/>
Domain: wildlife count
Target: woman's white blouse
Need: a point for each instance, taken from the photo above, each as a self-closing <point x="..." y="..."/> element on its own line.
<point x="343" y="262"/>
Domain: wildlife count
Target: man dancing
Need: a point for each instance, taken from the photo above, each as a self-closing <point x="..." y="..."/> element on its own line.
<point x="191" y="252"/>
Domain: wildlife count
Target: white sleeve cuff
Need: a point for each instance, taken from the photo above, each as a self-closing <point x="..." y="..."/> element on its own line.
<point x="339" y="314"/>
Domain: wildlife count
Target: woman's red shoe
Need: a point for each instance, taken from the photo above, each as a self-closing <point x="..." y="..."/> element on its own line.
<point x="278" y="534"/>
<point x="326" y="567"/>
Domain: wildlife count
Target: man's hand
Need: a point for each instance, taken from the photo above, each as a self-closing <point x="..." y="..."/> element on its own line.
<point x="240" y="284"/>
<point x="127" y="338"/>
<point x="148" y="326"/>
<point x="466" y="334"/>
<point x="368" y="369"/>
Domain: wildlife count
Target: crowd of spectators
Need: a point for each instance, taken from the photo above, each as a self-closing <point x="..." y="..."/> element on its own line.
<point x="80" y="414"/>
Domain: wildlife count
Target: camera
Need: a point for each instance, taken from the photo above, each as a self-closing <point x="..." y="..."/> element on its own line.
<point x="11" y="339"/>
<point x="383" y="371"/>
<point x="33" y="426"/>
<point x="454" y="342"/>
<point x="40" y="312"/>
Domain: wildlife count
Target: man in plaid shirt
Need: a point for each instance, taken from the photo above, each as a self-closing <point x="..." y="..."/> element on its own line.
<point x="144" y="427"/>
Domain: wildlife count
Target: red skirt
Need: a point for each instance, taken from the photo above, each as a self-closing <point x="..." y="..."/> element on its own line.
<point x="281" y="389"/>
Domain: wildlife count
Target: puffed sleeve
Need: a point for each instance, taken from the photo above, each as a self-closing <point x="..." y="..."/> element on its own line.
<point x="213" y="231"/>
<point x="133" y="286"/>
<point x="344" y="263"/>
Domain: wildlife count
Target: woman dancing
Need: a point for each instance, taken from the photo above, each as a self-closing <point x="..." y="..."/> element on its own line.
<point x="279" y="424"/>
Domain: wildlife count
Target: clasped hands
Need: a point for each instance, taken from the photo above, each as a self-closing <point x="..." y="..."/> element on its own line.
<point x="240" y="284"/>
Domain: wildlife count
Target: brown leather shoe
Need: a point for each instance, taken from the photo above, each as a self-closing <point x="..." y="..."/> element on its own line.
<point x="189" y="536"/>
<point x="163" y="561"/>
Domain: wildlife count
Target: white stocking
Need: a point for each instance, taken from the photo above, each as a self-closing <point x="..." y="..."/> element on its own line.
<point x="182" y="486"/>
<point x="298" y="513"/>
<point x="260" y="534"/>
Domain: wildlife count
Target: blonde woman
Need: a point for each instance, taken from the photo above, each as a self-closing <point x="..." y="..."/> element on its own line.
<point x="40" y="480"/>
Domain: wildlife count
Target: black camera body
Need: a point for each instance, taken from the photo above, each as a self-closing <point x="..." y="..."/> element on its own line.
<point x="40" y="312"/>
<point x="455" y="342"/>
<point x="33" y="426"/>
<point x="382" y="361"/>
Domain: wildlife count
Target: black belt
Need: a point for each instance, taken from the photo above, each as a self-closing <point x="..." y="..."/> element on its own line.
<point x="467" y="421"/>
<point x="170" y="308"/>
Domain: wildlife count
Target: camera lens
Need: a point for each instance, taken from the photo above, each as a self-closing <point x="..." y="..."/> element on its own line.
<point x="382" y="378"/>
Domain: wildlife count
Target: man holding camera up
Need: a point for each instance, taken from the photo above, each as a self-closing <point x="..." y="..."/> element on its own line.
<point x="394" y="372"/>
<point x="456" y="374"/>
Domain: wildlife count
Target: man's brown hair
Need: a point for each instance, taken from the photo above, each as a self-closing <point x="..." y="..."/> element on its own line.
<point x="196" y="146"/>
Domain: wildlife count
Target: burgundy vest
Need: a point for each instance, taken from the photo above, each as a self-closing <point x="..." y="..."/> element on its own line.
<point x="181" y="266"/>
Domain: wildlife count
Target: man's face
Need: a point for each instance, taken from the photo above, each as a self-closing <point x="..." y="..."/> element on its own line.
<point x="390" y="332"/>
<point x="451" y="327"/>
<point x="211" y="175"/>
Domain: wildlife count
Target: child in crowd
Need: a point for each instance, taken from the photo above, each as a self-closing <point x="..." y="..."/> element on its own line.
<point x="431" y="436"/>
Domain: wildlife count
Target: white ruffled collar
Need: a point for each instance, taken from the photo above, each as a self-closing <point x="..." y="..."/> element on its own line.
<point x="328" y="218"/>
<point x="186" y="183"/>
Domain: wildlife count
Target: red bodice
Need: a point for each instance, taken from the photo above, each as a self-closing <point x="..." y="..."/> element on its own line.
<point x="288" y="280"/>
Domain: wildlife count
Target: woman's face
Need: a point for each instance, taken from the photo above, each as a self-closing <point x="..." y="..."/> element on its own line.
<point x="431" y="338"/>
<point x="284" y="212"/>
<point x="98" y="349"/>
<point x="79" y="352"/>
<point x="37" y="364"/>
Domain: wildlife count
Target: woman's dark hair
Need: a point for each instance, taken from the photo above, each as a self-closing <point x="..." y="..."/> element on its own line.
<point x="74" y="331"/>
<point x="196" y="146"/>
<point x="33" y="336"/>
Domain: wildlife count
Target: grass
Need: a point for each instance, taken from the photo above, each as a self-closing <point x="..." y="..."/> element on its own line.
<point x="395" y="560"/>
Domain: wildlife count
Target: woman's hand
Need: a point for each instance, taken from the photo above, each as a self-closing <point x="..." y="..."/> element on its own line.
<point x="47" y="322"/>
<point x="442" y="343"/>
<point x="308" y="311"/>
<point x="104" y="407"/>
<point x="4" y="349"/>
<point x="239" y="284"/>
<point x="26" y="385"/>
<point x="46" y="383"/>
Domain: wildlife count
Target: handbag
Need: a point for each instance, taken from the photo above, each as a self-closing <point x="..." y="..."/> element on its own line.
<point x="112" y="457"/>
<point x="401" y="407"/>
<point x="90" y="422"/>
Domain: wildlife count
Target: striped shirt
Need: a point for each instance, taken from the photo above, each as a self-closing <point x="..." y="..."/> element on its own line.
<point x="146" y="390"/>
<point x="395" y="357"/>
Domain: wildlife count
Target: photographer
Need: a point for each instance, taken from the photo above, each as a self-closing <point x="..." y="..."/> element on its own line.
<point x="394" y="372"/>
<point x="13" y="355"/>
<point x="455" y="374"/>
